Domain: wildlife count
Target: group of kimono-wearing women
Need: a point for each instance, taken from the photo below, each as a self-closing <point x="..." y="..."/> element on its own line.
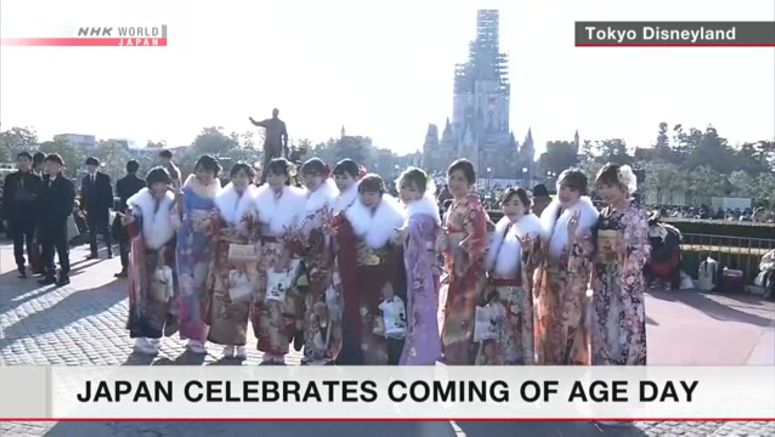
<point x="351" y="275"/>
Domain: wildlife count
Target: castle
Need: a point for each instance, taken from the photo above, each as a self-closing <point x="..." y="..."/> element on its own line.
<point x="479" y="129"/>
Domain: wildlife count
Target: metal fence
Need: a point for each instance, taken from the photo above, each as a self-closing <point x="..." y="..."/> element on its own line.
<point x="733" y="252"/>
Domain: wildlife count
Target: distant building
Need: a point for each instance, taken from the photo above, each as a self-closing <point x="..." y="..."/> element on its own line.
<point x="78" y="140"/>
<point x="479" y="129"/>
<point x="123" y="142"/>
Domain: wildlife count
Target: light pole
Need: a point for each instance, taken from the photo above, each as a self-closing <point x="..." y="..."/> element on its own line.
<point x="489" y="178"/>
<point x="524" y="177"/>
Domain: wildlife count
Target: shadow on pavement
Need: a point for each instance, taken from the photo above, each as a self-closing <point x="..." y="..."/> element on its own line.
<point x="228" y="361"/>
<point x="135" y="359"/>
<point x="703" y="302"/>
<point x="263" y="429"/>
<point x="185" y="359"/>
<point x="73" y="307"/>
<point x="570" y="429"/>
<point x="15" y="291"/>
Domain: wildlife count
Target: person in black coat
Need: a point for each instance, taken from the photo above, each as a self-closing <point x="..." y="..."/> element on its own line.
<point x="96" y="200"/>
<point x="55" y="204"/>
<point x="20" y="196"/>
<point x="126" y="187"/>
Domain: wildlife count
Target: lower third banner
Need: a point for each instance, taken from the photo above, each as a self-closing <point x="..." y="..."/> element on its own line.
<point x="394" y="393"/>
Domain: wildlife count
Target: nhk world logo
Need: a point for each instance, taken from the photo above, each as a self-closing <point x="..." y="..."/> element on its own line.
<point x="97" y="36"/>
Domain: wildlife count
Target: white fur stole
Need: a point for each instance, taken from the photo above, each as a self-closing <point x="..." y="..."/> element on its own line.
<point x="377" y="227"/>
<point x="555" y="230"/>
<point x="157" y="224"/>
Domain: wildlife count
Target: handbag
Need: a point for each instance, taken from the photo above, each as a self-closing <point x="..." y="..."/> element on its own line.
<point x="240" y="286"/>
<point x="486" y="321"/>
<point x="394" y="317"/>
<point x="242" y="252"/>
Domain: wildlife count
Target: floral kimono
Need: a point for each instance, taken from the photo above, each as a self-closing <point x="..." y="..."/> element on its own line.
<point x="510" y="292"/>
<point x="151" y="266"/>
<point x="194" y="254"/>
<point x="371" y="275"/>
<point x="233" y="278"/>
<point x="561" y="284"/>
<point x="423" y="343"/>
<point x="322" y="300"/>
<point x="278" y="303"/>
<point x="466" y="233"/>
<point x="618" y="318"/>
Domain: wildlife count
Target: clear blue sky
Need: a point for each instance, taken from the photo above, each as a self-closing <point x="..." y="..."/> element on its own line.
<point x="380" y="68"/>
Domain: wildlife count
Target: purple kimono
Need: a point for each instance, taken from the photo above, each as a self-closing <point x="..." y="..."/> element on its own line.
<point x="423" y="342"/>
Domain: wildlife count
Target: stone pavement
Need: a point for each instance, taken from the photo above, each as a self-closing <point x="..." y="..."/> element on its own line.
<point x="84" y="324"/>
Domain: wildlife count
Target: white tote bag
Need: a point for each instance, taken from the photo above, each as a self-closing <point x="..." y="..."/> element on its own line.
<point x="486" y="322"/>
<point x="278" y="283"/>
<point x="394" y="316"/>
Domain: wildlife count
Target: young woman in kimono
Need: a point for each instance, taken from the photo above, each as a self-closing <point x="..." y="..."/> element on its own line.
<point x="618" y="315"/>
<point x="561" y="285"/>
<point x="372" y="273"/>
<point x="279" y="207"/>
<point x="152" y="262"/>
<point x="194" y="250"/>
<point x="511" y="261"/>
<point x="466" y="244"/>
<point x="419" y="236"/>
<point x="234" y="273"/>
<point x="322" y="305"/>
<point x="346" y="175"/>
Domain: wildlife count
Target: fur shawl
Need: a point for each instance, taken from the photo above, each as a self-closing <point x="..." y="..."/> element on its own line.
<point x="427" y="205"/>
<point x="505" y="251"/>
<point x="157" y="224"/>
<point x="279" y="213"/>
<point x="345" y="199"/>
<point x="376" y="228"/>
<point x="232" y="207"/>
<point x="207" y="192"/>
<point x="323" y="197"/>
<point x="555" y="228"/>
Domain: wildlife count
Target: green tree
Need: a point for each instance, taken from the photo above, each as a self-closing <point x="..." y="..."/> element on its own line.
<point x="741" y="183"/>
<point x="711" y="150"/>
<point x="703" y="183"/>
<point x="663" y="140"/>
<point x="113" y="157"/>
<point x="613" y="150"/>
<point x="762" y="190"/>
<point x="19" y="137"/>
<point x="72" y="155"/>
<point x="559" y="156"/>
<point x="663" y="180"/>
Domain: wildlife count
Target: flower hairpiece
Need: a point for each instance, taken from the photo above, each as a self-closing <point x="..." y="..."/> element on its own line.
<point x="627" y="178"/>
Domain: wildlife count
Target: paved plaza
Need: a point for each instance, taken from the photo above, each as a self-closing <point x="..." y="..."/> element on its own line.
<point x="83" y="324"/>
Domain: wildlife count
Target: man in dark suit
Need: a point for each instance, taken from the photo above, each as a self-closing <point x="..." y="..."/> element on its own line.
<point x="96" y="200"/>
<point x="126" y="187"/>
<point x="20" y="197"/>
<point x="55" y="205"/>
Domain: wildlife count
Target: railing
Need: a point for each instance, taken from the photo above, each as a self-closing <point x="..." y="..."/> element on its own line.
<point x="733" y="252"/>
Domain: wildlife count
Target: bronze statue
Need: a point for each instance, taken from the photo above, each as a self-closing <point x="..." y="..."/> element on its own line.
<point x="275" y="140"/>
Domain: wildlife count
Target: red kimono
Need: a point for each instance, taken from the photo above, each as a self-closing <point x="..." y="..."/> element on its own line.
<point x="371" y="271"/>
<point x="466" y="228"/>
